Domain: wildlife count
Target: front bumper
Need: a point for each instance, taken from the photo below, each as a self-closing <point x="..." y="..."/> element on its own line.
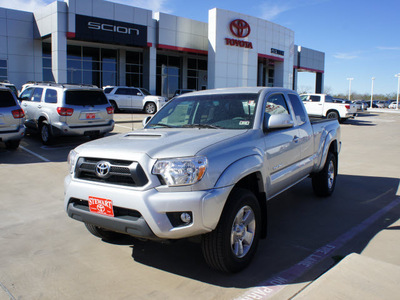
<point x="144" y="213"/>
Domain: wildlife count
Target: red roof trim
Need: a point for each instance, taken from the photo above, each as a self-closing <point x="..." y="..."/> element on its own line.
<point x="70" y="35"/>
<point x="174" y="48"/>
<point x="270" y="57"/>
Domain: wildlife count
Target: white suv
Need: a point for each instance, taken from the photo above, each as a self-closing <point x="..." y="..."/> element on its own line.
<point x="125" y="97"/>
<point x="65" y="109"/>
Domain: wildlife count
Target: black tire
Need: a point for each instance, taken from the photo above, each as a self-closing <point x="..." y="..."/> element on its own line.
<point x="231" y="246"/>
<point x="333" y="115"/>
<point x="12" y="145"/>
<point x="150" y="108"/>
<point x="103" y="233"/>
<point x="324" y="182"/>
<point x="45" y="133"/>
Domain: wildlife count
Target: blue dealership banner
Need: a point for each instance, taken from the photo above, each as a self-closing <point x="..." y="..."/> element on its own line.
<point x="109" y="31"/>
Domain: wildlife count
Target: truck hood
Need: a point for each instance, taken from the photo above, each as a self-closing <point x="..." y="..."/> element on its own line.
<point x="156" y="143"/>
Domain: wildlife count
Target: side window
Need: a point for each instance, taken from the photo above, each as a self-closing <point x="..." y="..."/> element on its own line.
<point x="50" y="96"/>
<point x="315" y="98"/>
<point x="298" y="109"/>
<point x="26" y="95"/>
<point x="276" y="104"/>
<point x="328" y="99"/>
<point x="135" y="92"/>
<point x="122" y="91"/>
<point x="37" y="95"/>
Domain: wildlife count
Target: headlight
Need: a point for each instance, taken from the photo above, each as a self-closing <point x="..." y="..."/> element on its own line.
<point x="181" y="171"/>
<point x="72" y="160"/>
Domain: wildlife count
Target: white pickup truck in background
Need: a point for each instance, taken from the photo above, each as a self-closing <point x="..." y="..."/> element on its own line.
<point x="322" y="105"/>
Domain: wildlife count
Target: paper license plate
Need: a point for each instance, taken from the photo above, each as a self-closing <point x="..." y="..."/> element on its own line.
<point x="101" y="206"/>
<point x="90" y="116"/>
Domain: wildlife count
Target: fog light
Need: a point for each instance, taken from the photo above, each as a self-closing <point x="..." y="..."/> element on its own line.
<point x="186" y="218"/>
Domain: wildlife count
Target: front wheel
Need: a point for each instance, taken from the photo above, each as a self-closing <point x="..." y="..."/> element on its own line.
<point x="324" y="181"/>
<point x="231" y="246"/>
<point x="150" y="108"/>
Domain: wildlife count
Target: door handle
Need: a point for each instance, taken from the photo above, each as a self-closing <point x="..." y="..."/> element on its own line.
<point x="296" y="139"/>
<point x="39" y="106"/>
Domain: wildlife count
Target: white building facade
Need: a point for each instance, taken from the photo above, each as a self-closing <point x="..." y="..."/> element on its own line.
<point x="104" y="43"/>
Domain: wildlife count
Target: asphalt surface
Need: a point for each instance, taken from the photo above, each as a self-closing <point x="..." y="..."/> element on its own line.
<point x="47" y="255"/>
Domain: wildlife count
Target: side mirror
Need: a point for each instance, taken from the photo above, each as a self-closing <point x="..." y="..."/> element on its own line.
<point x="146" y="120"/>
<point x="279" y="121"/>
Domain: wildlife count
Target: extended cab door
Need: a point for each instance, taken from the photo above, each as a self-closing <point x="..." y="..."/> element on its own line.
<point x="282" y="148"/>
<point x="314" y="105"/>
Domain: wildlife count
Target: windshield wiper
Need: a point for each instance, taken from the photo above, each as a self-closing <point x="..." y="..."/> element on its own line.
<point x="201" y="126"/>
<point x="161" y="125"/>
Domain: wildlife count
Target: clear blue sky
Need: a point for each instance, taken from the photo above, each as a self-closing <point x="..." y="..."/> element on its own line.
<point x="361" y="39"/>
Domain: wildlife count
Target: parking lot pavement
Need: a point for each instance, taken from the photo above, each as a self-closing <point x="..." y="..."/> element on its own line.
<point x="47" y="255"/>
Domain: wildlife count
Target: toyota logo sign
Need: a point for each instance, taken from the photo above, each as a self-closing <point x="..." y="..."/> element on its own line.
<point x="102" y="168"/>
<point x="240" y="28"/>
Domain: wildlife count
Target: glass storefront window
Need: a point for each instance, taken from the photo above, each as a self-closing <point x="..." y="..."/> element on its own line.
<point x="46" y="62"/>
<point x="197" y="70"/>
<point x="89" y="65"/>
<point x="134" y="69"/>
<point x="168" y="75"/>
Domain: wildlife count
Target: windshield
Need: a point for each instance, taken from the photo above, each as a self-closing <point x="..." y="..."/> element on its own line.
<point x="227" y="111"/>
<point x="145" y="92"/>
<point x="85" y="98"/>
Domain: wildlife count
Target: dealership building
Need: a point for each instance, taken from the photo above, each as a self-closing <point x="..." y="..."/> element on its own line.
<point x="105" y="43"/>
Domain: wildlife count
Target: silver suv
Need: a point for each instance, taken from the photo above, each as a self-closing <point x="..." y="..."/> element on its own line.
<point x="125" y="97"/>
<point x="64" y="109"/>
<point x="12" y="119"/>
<point x="9" y="85"/>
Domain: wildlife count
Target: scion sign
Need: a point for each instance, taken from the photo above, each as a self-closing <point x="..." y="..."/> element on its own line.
<point x="110" y="31"/>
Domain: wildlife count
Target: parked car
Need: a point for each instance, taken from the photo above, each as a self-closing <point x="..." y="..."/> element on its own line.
<point x="125" y="97"/>
<point x="11" y="86"/>
<point x="323" y="105"/>
<point x="12" y="119"/>
<point x="393" y="105"/>
<point x="361" y="105"/>
<point x="381" y="104"/>
<point x="65" y="109"/>
<point x="205" y="165"/>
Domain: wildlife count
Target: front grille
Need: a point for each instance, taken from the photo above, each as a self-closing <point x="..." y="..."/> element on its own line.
<point x="120" y="172"/>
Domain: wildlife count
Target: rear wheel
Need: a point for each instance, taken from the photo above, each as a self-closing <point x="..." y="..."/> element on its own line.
<point x="231" y="246"/>
<point x="324" y="182"/>
<point x="150" y="108"/>
<point x="45" y="133"/>
<point x="333" y="115"/>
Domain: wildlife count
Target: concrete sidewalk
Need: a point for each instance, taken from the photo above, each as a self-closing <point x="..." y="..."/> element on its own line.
<point x="373" y="274"/>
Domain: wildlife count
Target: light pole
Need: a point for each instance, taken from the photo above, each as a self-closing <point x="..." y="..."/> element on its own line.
<point x="398" y="89"/>
<point x="350" y="79"/>
<point x="372" y="91"/>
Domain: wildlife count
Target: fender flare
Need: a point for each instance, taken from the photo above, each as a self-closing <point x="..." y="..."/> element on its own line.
<point x="239" y="169"/>
<point x="329" y="139"/>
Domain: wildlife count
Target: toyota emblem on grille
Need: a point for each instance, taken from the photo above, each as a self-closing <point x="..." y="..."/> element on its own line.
<point x="103" y="168"/>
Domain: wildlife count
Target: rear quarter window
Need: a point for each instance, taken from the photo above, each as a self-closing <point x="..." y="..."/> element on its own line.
<point x="84" y="98"/>
<point x="6" y="99"/>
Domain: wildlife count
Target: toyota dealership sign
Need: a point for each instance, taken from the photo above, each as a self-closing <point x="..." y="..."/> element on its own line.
<point x="240" y="29"/>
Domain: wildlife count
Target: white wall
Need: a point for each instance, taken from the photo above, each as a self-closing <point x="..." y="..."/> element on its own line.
<point x="230" y="66"/>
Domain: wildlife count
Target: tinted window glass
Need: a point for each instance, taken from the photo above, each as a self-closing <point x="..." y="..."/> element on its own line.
<point x="229" y="111"/>
<point x="6" y="99"/>
<point x="37" y="95"/>
<point x="328" y="99"/>
<point x="315" y="98"/>
<point x="122" y="91"/>
<point x="108" y="90"/>
<point x="50" y="96"/>
<point x="276" y="104"/>
<point x="298" y="109"/>
<point x="85" y="98"/>
<point x="135" y="92"/>
<point x="27" y="94"/>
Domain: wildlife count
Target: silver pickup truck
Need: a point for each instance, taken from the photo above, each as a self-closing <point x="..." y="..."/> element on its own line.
<point x="204" y="165"/>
